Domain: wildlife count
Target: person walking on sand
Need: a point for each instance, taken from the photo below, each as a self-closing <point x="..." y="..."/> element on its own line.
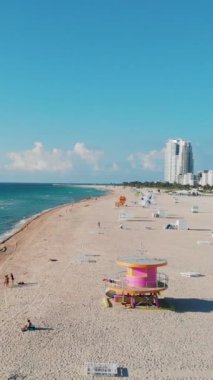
<point x="12" y="278"/>
<point x="6" y="280"/>
<point x="99" y="226"/>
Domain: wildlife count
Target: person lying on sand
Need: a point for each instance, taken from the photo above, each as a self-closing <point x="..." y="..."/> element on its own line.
<point x="28" y="326"/>
<point x="110" y="280"/>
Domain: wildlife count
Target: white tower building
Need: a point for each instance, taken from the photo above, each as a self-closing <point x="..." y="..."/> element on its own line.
<point x="178" y="160"/>
<point x="206" y="178"/>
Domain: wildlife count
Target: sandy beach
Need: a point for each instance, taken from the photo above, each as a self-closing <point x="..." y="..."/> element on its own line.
<point x="63" y="292"/>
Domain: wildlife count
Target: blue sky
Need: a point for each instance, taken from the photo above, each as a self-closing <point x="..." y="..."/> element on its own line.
<point x="90" y="91"/>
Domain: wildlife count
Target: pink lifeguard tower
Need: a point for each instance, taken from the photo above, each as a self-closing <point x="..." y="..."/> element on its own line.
<point x="142" y="283"/>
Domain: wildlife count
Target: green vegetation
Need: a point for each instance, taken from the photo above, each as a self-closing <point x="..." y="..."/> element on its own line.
<point x="158" y="184"/>
<point x="168" y="186"/>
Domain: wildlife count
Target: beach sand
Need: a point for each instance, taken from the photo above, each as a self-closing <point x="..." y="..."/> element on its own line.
<point x="64" y="298"/>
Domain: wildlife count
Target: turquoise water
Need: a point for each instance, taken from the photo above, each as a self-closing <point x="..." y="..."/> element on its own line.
<point x="21" y="201"/>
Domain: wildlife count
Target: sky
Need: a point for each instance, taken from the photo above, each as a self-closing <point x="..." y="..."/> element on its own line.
<point x="91" y="90"/>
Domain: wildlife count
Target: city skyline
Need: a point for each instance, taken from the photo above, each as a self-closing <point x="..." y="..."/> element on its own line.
<point x="91" y="91"/>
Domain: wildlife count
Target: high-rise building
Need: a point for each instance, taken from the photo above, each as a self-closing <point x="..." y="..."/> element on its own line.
<point x="178" y="160"/>
<point x="206" y="178"/>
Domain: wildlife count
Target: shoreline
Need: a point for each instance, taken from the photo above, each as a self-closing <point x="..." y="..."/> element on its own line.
<point x="46" y="212"/>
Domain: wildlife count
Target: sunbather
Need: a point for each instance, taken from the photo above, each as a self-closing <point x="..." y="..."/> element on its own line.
<point x="28" y="326"/>
<point x="109" y="280"/>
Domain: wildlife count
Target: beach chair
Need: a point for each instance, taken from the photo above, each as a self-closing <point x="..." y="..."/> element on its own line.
<point x="181" y="224"/>
<point x="195" y="209"/>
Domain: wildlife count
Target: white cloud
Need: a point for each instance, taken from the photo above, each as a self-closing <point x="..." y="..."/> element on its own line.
<point x="149" y="161"/>
<point x="131" y="159"/>
<point x="41" y="160"/>
<point x="115" y="167"/>
<point x="91" y="156"/>
<point x="38" y="159"/>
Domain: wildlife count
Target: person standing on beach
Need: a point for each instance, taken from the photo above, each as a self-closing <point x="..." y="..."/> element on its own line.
<point x="12" y="278"/>
<point x="6" y="280"/>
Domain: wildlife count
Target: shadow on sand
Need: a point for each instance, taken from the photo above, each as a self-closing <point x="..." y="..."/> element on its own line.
<point x="196" y="305"/>
<point x="41" y="329"/>
<point x="205" y="212"/>
<point x="122" y="372"/>
<point x="25" y="284"/>
<point x="173" y="217"/>
<point x="199" y="229"/>
<point x="16" y="376"/>
<point x="139" y="220"/>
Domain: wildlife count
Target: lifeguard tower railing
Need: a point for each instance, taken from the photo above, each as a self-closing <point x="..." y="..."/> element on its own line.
<point x="121" y="282"/>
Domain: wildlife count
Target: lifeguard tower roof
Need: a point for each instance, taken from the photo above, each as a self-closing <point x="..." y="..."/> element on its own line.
<point x="138" y="262"/>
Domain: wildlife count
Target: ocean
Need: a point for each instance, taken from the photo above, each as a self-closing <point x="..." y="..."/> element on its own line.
<point x="20" y="202"/>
